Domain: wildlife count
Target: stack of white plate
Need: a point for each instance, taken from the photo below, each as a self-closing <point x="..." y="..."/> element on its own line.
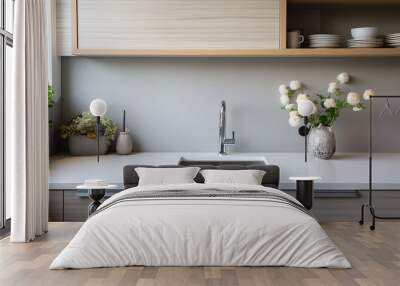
<point x="393" y="40"/>
<point x="325" y="41"/>
<point x="365" y="37"/>
<point x="368" y="43"/>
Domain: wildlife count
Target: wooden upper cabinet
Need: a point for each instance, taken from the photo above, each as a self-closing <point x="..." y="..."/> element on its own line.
<point x="174" y="27"/>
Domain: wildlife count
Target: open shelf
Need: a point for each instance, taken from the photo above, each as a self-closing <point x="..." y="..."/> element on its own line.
<point x="342" y="52"/>
<point x="339" y="17"/>
<point x="345" y="2"/>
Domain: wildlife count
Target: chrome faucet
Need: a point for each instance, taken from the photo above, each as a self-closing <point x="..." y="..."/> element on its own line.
<point x="223" y="141"/>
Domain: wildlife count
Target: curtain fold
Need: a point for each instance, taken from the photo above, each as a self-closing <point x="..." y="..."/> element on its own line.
<point x="28" y="123"/>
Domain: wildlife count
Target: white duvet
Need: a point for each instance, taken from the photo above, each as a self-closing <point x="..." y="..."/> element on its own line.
<point x="193" y="231"/>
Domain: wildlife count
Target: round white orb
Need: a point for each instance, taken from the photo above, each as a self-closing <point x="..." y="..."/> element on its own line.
<point x="98" y="107"/>
<point x="305" y="107"/>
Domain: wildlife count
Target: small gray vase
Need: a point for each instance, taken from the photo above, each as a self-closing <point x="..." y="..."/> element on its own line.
<point x="322" y="142"/>
<point x="124" y="144"/>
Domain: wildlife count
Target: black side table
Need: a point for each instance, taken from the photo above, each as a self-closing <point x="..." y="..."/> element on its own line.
<point x="305" y="190"/>
<point x="96" y="194"/>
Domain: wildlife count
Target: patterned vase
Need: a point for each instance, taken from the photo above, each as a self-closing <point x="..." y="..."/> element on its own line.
<point x="322" y="142"/>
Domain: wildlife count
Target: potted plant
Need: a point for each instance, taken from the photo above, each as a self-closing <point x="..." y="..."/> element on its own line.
<point x="325" y="110"/>
<point x="81" y="134"/>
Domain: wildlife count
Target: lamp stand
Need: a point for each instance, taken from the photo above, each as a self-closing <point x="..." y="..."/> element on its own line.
<point x="97" y="136"/>
<point x="303" y="131"/>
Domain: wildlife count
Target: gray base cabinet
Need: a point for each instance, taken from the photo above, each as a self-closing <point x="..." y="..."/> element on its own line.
<point x="69" y="205"/>
<point x="72" y="206"/>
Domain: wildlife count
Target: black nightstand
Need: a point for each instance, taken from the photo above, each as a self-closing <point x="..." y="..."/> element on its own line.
<point x="95" y="193"/>
<point x="305" y="190"/>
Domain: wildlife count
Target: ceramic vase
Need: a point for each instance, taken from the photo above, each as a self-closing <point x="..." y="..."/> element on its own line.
<point x="124" y="145"/>
<point x="322" y="142"/>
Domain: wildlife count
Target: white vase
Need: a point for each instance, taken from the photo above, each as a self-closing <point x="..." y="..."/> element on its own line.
<point x="322" y="142"/>
<point x="124" y="144"/>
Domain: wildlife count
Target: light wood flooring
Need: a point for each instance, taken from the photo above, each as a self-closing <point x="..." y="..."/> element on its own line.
<point x="375" y="257"/>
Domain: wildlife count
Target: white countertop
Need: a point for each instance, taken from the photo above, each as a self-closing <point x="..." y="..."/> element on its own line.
<point x="345" y="171"/>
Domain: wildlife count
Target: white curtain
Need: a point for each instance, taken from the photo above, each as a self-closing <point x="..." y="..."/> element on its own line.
<point x="28" y="123"/>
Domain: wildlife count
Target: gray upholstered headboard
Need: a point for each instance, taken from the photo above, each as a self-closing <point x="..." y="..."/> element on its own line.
<point x="271" y="177"/>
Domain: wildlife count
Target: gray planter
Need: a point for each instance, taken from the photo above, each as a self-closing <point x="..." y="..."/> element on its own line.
<point x="80" y="145"/>
<point x="322" y="142"/>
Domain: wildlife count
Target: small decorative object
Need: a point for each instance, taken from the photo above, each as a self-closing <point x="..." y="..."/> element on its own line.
<point x="319" y="113"/>
<point x="124" y="144"/>
<point x="81" y="134"/>
<point x="294" y="39"/>
<point x="98" y="107"/>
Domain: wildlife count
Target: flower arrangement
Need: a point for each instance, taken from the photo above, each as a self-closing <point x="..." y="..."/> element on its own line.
<point x="321" y="109"/>
<point x="85" y="124"/>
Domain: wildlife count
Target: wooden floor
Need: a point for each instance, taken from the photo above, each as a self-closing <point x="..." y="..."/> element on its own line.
<point x="375" y="257"/>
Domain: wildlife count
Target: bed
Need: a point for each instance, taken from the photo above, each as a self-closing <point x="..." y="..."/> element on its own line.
<point x="198" y="224"/>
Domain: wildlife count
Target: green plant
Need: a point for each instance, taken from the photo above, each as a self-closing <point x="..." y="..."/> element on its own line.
<point x="85" y="124"/>
<point x="50" y="95"/>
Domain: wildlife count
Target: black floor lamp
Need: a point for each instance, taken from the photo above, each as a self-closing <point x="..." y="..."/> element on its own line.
<point x="98" y="108"/>
<point x="305" y="108"/>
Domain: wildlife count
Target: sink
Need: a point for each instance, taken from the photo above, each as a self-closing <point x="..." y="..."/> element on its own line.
<point x="217" y="160"/>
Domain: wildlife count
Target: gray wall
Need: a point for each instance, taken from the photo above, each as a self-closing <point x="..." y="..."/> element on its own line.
<point x="173" y="103"/>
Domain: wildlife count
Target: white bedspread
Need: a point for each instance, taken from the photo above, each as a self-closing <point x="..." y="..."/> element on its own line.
<point x="193" y="231"/>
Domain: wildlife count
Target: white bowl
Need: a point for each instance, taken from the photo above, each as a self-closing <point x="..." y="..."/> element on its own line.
<point x="364" y="33"/>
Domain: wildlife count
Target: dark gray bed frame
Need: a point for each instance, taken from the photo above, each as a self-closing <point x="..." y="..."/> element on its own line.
<point x="270" y="179"/>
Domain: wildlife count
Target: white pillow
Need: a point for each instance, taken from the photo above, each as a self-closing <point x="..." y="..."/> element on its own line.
<point x="166" y="176"/>
<point x="248" y="177"/>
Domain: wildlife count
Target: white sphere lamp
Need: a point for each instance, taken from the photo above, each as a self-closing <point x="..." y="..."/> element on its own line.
<point x="305" y="107"/>
<point x="98" y="107"/>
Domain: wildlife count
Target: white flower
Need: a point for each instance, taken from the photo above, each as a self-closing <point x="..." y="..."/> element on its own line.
<point x="301" y="96"/>
<point x="283" y="90"/>
<point x="290" y="107"/>
<point x="330" y="103"/>
<point x="294" y="119"/>
<point x="343" y="78"/>
<point x="355" y="108"/>
<point x="315" y="109"/>
<point x="353" y="98"/>
<point x="305" y="107"/>
<point x="295" y="85"/>
<point x="284" y="100"/>
<point x="333" y="86"/>
<point x="368" y="93"/>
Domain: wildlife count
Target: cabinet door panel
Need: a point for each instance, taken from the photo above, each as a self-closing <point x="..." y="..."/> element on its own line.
<point x="177" y="24"/>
